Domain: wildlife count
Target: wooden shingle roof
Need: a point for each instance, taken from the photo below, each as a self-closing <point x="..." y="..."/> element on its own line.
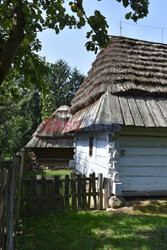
<point x="128" y="67"/>
<point x="47" y="137"/>
<point x="124" y="110"/>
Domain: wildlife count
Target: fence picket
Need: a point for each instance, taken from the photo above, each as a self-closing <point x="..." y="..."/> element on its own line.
<point x="73" y="194"/>
<point x="89" y="191"/>
<point x="57" y="194"/>
<point x="107" y="191"/>
<point x="79" y="190"/>
<point x="67" y="191"/>
<point x="94" y="190"/>
<point x="100" y="191"/>
<point x="84" y="201"/>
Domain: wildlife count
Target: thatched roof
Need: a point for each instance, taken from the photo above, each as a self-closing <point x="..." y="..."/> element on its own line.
<point x="49" y="133"/>
<point x="128" y="67"/>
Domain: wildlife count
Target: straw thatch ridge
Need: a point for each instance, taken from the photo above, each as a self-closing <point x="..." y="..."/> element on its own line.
<point x="127" y="67"/>
<point x="49" y="133"/>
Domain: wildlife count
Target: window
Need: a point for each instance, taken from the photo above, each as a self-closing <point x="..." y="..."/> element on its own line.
<point x="90" y="146"/>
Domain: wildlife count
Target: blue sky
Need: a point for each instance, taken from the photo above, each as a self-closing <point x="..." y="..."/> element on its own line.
<point x="70" y="44"/>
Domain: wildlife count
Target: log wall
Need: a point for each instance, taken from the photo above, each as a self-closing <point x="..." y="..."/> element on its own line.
<point x="143" y="167"/>
<point x="98" y="162"/>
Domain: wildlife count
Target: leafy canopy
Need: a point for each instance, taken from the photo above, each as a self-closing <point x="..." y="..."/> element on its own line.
<point x="18" y="120"/>
<point x="22" y="112"/>
<point x="21" y="20"/>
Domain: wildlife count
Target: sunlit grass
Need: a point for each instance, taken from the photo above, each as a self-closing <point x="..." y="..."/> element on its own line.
<point x="61" y="172"/>
<point x="94" y="230"/>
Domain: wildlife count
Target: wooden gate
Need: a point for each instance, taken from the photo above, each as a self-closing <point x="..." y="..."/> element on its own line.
<point x="42" y="194"/>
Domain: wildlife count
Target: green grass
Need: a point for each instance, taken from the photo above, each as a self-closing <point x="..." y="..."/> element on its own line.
<point x="50" y="172"/>
<point x="94" y="230"/>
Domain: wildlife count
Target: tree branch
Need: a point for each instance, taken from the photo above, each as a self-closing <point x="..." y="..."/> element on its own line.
<point x="15" y="37"/>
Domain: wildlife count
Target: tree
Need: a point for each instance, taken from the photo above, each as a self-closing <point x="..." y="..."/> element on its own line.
<point x="21" y="20"/>
<point x="19" y="119"/>
<point x="21" y="112"/>
<point x="62" y="83"/>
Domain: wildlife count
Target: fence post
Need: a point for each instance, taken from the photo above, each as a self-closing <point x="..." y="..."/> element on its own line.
<point x="107" y="191"/>
<point x="100" y="191"/>
<point x="19" y="181"/>
<point x="10" y="213"/>
<point x="94" y="190"/>
<point x="67" y="191"/>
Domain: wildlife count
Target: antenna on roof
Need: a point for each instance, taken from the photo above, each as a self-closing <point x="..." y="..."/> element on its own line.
<point x="120" y="28"/>
<point x="145" y="26"/>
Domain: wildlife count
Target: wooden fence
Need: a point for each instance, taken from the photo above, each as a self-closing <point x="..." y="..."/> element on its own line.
<point x="42" y="194"/>
<point x="10" y="186"/>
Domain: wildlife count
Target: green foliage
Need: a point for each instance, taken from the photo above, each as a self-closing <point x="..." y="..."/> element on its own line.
<point x="140" y="8"/>
<point x="61" y="85"/>
<point x="20" y="22"/>
<point x="21" y="110"/>
<point x="18" y="120"/>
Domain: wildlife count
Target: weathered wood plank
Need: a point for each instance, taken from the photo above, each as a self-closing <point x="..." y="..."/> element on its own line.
<point x="107" y="191"/>
<point x="20" y="174"/>
<point x="140" y="141"/>
<point x="145" y="193"/>
<point x="134" y="131"/>
<point x="61" y="196"/>
<point x="114" y="110"/>
<point x="89" y="191"/>
<point x="103" y="112"/>
<point x="128" y="119"/>
<point x="145" y="151"/>
<point x="33" y="142"/>
<point x="84" y="200"/>
<point x="143" y="183"/>
<point x="156" y="114"/>
<point x="100" y="192"/>
<point x="137" y="161"/>
<point x="163" y="106"/>
<point x="57" y="193"/>
<point x="143" y="171"/>
<point x="135" y="112"/>
<point x="94" y="190"/>
<point x="79" y="190"/>
<point x="73" y="194"/>
<point x="10" y="212"/>
<point x="67" y="191"/>
<point x="145" y="114"/>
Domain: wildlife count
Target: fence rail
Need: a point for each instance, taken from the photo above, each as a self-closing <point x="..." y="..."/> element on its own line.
<point x="45" y="193"/>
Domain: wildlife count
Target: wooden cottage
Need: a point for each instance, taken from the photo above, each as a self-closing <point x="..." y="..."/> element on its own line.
<point x="122" y="110"/>
<point x="49" y="146"/>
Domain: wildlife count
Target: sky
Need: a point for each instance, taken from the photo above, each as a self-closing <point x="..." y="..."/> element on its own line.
<point x="69" y="45"/>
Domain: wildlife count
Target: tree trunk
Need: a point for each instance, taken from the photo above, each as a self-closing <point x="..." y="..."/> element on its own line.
<point x="9" y="47"/>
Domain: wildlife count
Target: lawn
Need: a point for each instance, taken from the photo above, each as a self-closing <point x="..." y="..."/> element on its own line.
<point x="61" y="172"/>
<point x="94" y="230"/>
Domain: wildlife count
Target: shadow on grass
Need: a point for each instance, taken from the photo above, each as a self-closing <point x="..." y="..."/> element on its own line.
<point x="151" y="206"/>
<point x="93" y="230"/>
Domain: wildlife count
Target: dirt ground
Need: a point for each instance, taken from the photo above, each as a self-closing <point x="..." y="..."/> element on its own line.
<point x="146" y="206"/>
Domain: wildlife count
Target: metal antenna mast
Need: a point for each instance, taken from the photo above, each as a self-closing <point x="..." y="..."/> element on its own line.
<point x="120" y="28"/>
